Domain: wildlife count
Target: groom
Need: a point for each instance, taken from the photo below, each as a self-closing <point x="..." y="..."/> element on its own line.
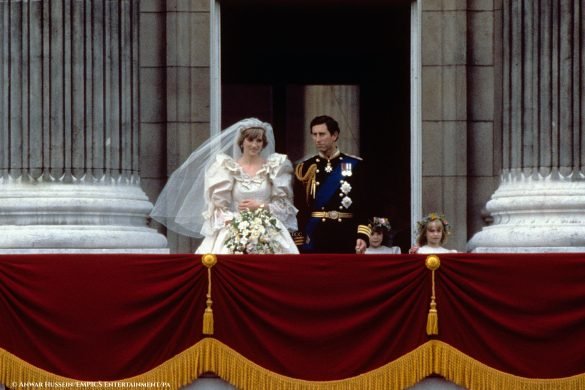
<point x="329" y="193"/>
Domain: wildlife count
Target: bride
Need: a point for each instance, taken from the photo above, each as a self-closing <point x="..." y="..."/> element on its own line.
<point x="228" y="176"/>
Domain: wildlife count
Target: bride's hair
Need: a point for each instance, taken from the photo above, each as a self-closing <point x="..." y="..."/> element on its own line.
<point x="252" y="133"/>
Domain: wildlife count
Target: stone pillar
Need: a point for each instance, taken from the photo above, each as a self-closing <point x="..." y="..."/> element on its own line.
<point x="540" y="203"/>
<point x="69" y="128"/>
<point x="445" y="118"/>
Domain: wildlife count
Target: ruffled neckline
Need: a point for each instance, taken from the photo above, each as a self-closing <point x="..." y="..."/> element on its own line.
<point x="270" y="165"/>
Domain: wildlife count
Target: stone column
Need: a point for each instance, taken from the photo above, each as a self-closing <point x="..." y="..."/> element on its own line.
<point x="445" y="115"/>
<point x="540" y="203"/>
<point x="69" y="128"/>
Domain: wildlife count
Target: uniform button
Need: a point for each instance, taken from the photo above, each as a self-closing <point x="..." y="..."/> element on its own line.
<point x="317" y="183"/>
<point x="317" y="160"/>
<point x="323" y="208"/>
<point x="318" y="171"/>
<point x="323" y="219"/>
<point x="339" y="220"/>
<point x="341" y="158"/>
<point x="341" y="194"/>
<point x="340" y="207"/>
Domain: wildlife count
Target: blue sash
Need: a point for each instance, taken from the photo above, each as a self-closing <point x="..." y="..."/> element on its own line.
<point x="327" y="189"/>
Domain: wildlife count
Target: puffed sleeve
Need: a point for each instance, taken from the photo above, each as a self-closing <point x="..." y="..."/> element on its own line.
<point x="280" y="172"/>
<point x="219" y="183"/>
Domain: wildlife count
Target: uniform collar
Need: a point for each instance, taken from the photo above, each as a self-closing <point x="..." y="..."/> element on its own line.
<point x="336" y="154"/>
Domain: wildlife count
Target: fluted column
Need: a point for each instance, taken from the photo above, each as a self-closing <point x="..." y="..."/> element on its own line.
<point x="540" y="203"/>
<point x="69" y="127"/>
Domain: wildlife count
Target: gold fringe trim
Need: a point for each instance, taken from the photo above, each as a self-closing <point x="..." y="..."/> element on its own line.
<point x="214" y="356"/>
<point x="471" y="374"/>
<point x="16" y="373"/>
<point x="210" y="355"/>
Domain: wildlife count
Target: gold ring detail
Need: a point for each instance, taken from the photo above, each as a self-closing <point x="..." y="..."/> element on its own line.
<point x="432" y="262"/>
<point x="209" y="260"/>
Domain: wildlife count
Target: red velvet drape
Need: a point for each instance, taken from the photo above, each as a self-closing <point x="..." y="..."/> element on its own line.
<point x="522" y="314"/>
<point x="321" y="317"/>
<point x="100" y="317"/>
<point x="107" y="317"/>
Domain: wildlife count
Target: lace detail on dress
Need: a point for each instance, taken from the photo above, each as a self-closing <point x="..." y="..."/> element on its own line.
<point x="249" y="181"/>
<point x="228" y="184"/>
<point x="218" y="194"/>
<point x="284" y="210"/>
<point x="280" y="172"/>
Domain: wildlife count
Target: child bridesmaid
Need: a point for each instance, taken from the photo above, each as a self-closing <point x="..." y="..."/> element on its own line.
<point x="380" y="237"/>
<point x="432" y="233"/>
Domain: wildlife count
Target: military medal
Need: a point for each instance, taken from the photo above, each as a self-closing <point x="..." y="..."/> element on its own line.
<point x="346" y="202"/>
<point x="345" y="187"/>
<point x="328" y="167"/>
<point x="346" y="169"/>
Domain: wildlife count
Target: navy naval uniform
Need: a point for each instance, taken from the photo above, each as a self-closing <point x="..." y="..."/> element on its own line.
<point x="330" y="196"/>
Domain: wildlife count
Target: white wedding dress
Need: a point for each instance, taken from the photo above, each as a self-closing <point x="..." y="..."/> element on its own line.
<point x="226" y="184"/>
<point x="426" y="250"/>
<point x="383" y="249"/>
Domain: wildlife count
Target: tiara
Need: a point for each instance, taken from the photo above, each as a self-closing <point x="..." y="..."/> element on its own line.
<point x="421" y="225"/>
<point x="252" y="123"/>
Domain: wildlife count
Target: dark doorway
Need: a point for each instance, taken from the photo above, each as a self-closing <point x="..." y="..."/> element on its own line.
<point x="271" y="49"/>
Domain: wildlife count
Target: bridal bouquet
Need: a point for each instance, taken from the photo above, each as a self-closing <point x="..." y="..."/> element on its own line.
<point x="253" y="232"/>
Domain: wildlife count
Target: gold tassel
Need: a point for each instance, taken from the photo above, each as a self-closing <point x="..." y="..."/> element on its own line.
<point x="208" y="318"/>
<point x="308" y="179"/>
<point x="209" y="261"/>
<point x="433" y="319"/>
<point x="433" y="263"/>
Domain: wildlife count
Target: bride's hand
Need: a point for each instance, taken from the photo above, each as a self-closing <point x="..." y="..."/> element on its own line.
<point x="250" y="204"/>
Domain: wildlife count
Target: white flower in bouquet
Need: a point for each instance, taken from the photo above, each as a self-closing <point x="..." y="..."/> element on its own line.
<point x="253" y="232"/>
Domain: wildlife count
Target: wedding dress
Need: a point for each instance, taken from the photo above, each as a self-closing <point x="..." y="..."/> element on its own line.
<point x="202" y="195"/>
<point x="226" y="184"/>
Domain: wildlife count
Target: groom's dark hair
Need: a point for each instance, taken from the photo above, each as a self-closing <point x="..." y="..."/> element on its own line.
<point x="331" y="123"/>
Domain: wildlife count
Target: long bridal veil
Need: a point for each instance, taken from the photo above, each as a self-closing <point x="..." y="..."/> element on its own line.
<point x="181" y="203"/>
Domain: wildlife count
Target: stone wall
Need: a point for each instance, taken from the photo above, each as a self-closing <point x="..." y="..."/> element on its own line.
<point x="460" y="139"/>
<point x="174" y="66"/>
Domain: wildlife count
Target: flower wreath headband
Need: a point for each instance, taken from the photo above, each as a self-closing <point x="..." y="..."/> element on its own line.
<point x="378" y="222"/>
<point x="422" y="224"/>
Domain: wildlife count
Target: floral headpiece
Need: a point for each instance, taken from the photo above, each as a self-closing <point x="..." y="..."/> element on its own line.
<point x="378" y="222"/>
<point x="422" y="224"/>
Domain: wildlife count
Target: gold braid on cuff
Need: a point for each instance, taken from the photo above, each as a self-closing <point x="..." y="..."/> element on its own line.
<point x="364" y="229"/>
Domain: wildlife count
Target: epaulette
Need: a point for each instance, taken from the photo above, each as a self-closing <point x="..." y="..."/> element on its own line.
<point x="356" y="157"/>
